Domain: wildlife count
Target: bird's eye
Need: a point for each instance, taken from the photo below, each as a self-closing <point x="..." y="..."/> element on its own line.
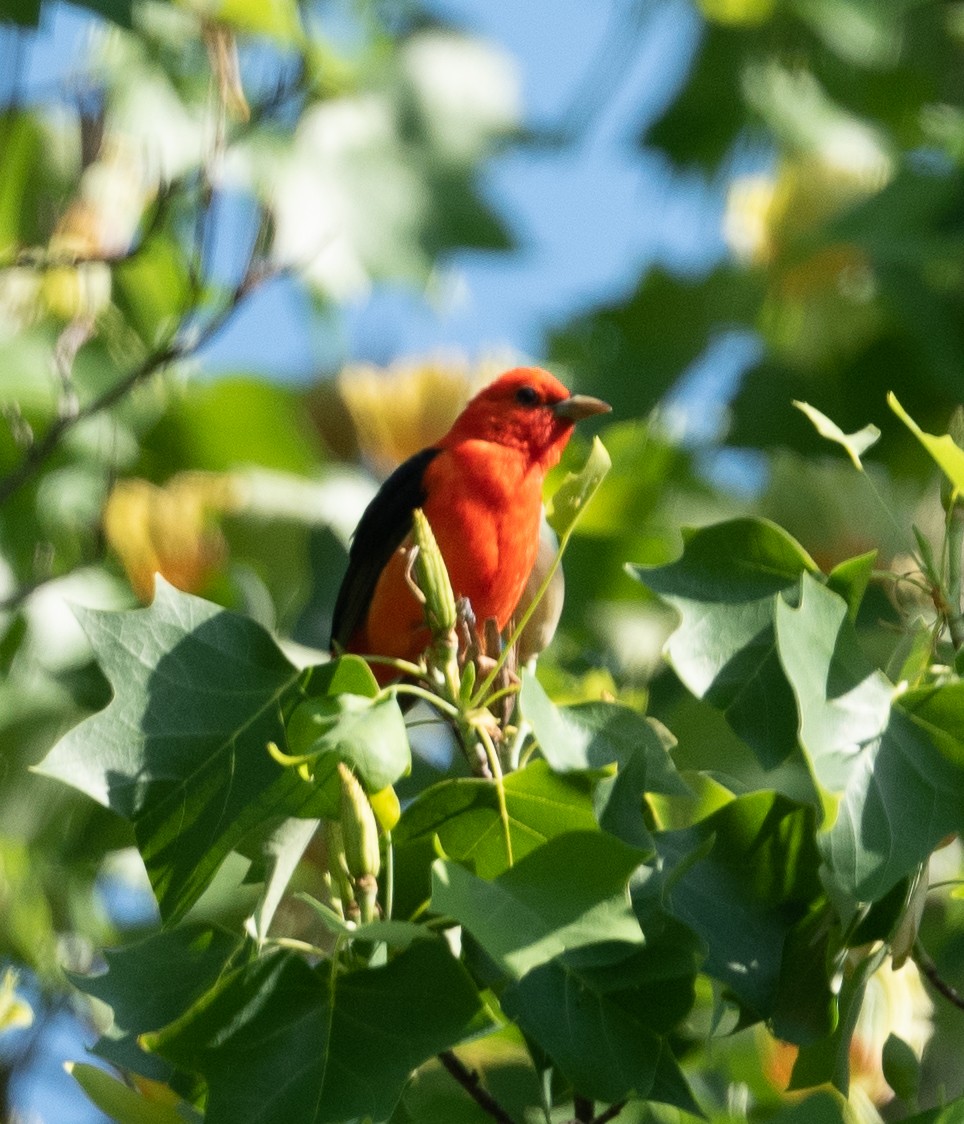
<point x="527" y="396"/>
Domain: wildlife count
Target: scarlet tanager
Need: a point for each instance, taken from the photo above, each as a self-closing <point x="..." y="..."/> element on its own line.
<point x="480" y="487"/>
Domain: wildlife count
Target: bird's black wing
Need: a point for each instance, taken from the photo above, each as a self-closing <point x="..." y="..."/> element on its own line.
<point x="380" y="531"/>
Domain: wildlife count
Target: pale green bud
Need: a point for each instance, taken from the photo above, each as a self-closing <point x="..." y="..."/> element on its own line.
<point x="432" y="578"/>
<point x="359" y="828"/>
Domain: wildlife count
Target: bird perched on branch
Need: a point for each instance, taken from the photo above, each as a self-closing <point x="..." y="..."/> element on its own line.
<point x="480" y="487"/>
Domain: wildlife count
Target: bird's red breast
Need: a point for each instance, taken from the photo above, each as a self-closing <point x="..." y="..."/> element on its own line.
<point x="481" y="490"/>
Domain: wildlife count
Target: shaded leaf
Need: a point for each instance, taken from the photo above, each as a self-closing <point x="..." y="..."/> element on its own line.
<point x="741" y="879"/>
<point x="152" y="982"/>
<point x="569" y="893"/>
<point x="724" y="588"/>
<point x="606" y="1051"/>
<point x="280" y="1041"/>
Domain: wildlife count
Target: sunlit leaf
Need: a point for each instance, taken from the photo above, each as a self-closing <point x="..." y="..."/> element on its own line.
<point x="855" y="444"/>
<point x="890" y="796"/>
<point x="576" y="491"/>
<point x="181" y="749"/>
<point x="948" y="456"/>
<point x="724" y="588"/>
<point x="125" y="1105"/>
<point x="464" y="814"/>
<point x="565" y="895"/>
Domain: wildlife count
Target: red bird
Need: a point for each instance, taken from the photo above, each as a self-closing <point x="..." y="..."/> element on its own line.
<point x="481" y="490"/>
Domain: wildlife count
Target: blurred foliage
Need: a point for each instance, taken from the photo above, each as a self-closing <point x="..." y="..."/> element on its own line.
<point x="707" y="860"/>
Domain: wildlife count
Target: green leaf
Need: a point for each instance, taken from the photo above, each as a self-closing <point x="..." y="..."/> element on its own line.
<point x="280" y="854"/>
<point x="153" y="289"/>
<point x="150" y="983"/>
<point x="181" y="749"/>
<point x="277" y="19"/>
<point x="948" y="456"/>
<point x="754" y="877"/>
<point x="233" y="421"/>
<point x="606" y="1051"/>
<point x="889" y="795"/>
<point x="464" y="814"/>
<point x="854" y="443"/>
<point x="279" y="1041"/>
<point x="952" y="1113"/>
<point x="367" y="733"/>
<point x="901" y="1068"/>
<point x="827" y="1060"/>
<point x="569" y="893"/>
<point x="724" y="588"/>
<point x="575" y="492"/>
<point x="596" y="735"/>
<point x="125" y="1105"/>
<point x="850" y="579"/>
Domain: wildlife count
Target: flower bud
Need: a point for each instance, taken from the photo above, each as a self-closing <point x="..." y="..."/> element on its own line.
<point x="358" y="827"/>
<point x="432" y="578"/>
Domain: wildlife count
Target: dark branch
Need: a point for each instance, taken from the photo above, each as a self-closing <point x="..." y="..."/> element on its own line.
<point x="470" y="1082"/>
<point x="922" y="959"/>
<point x="611" y="1113"/>
<point x="584" y="1108"/>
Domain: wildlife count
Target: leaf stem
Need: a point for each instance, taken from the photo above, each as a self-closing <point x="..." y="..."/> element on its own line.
<point x="470" y="1081"/>
<point x="495" y="765"/>
<point x="955" y="558"/>
<point x="426" y="696"/>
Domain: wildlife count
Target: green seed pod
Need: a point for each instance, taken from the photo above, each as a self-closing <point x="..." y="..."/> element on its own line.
<point x="359" y="828"/>
<point x="432" y="578"/>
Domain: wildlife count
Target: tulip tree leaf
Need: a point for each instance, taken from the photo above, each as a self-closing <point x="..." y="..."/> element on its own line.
<point x="464" y="815"/>
<point x="569" y="893"/>
<point x="890" y="794"/>
<point x="150" y="983"/>
<point x="605" y="1050"/>
<point x="578" y="488"/>
<point x="855" y="444"/>
<point x="181" y="750"/>
<point x="279" y="1041"/>
<point x="595" y="735"/>
<point x="610" y="1044"/>
<point x="125" y="1105"/>
<point x="948" y="456"/>
<point x="741" y="879"/>
<point x="724" y="588"/>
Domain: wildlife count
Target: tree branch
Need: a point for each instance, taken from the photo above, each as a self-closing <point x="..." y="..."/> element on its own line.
<point x="611" y="1113"/>
<point x="923" y="960"/>
<point x="584" y="1108"/>
<point x="471" y="1083"/>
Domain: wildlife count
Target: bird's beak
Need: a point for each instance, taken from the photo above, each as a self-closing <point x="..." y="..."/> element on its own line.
<point x="578" y="406"/>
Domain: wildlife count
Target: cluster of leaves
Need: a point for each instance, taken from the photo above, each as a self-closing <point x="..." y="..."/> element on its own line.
<point x="605" y="930"/>
<point x="583" y="894"/>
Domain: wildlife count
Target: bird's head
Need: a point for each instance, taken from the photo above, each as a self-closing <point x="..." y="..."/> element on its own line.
<point x="526" y="408"/>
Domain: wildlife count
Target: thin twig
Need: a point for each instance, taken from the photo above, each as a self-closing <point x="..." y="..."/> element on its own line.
<point x="923" y="960"/>
<point x="584" y="1108"/>
<point x="178" y="348"/>
<point x="472" y="1084"/>
<point x="41" y="260"/>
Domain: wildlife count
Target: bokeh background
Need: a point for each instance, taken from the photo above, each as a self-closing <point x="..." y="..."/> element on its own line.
<point x="253" y="254"/>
